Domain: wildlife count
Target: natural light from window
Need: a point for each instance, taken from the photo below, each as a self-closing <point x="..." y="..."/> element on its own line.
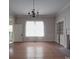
<point x="10" y="28"/>
<point x="34" y="29"/>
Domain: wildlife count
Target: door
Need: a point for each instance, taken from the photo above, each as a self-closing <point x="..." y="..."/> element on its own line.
<point x="68" y="41"/>
<point x="18" y="34"/>
<point x="60" y="32"/>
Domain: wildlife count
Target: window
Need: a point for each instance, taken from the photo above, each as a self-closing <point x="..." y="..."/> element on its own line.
<point x="10" y="28"/>
<point x="34" y="29"/>
<point x="60" y="28"/>
<point x="10" y="31"/>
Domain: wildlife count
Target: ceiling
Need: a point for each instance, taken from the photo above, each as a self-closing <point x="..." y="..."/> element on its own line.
<point x="45" y="7"/>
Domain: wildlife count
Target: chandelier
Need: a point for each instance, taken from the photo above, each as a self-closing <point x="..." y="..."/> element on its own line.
<point x="33" y="13"/>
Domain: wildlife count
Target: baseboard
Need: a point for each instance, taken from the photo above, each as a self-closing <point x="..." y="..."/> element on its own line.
<point x="39" y="41"/>
<point x="18" y="42"/>
<point x="35" y="41"/>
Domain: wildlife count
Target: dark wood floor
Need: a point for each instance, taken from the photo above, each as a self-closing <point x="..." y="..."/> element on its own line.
<point x="37" y="50"/>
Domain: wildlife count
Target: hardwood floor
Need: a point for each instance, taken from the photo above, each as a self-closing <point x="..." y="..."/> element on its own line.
<point x="37" y="50"/>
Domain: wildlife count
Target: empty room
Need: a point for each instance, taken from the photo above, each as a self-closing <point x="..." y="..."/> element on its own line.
<point x="39" y="29"/>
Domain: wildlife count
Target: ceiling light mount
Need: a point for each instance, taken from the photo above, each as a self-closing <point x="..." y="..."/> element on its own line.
<point x="33" y="13"/>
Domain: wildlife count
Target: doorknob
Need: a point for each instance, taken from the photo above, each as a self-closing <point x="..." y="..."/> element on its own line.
<point x="21" y="34"/>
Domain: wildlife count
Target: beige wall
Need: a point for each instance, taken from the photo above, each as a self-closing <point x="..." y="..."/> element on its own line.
<point x="49" y="27"/>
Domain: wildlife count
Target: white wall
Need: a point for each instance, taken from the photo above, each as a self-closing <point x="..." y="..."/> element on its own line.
<point x="64" y="16"/>
<point x="49" y="24"/>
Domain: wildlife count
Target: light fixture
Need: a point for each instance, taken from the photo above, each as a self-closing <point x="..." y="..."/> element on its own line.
<point x="33" y="13"/>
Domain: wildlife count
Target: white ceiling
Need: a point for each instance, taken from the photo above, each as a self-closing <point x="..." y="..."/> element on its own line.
<point x="45" y="7"/>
